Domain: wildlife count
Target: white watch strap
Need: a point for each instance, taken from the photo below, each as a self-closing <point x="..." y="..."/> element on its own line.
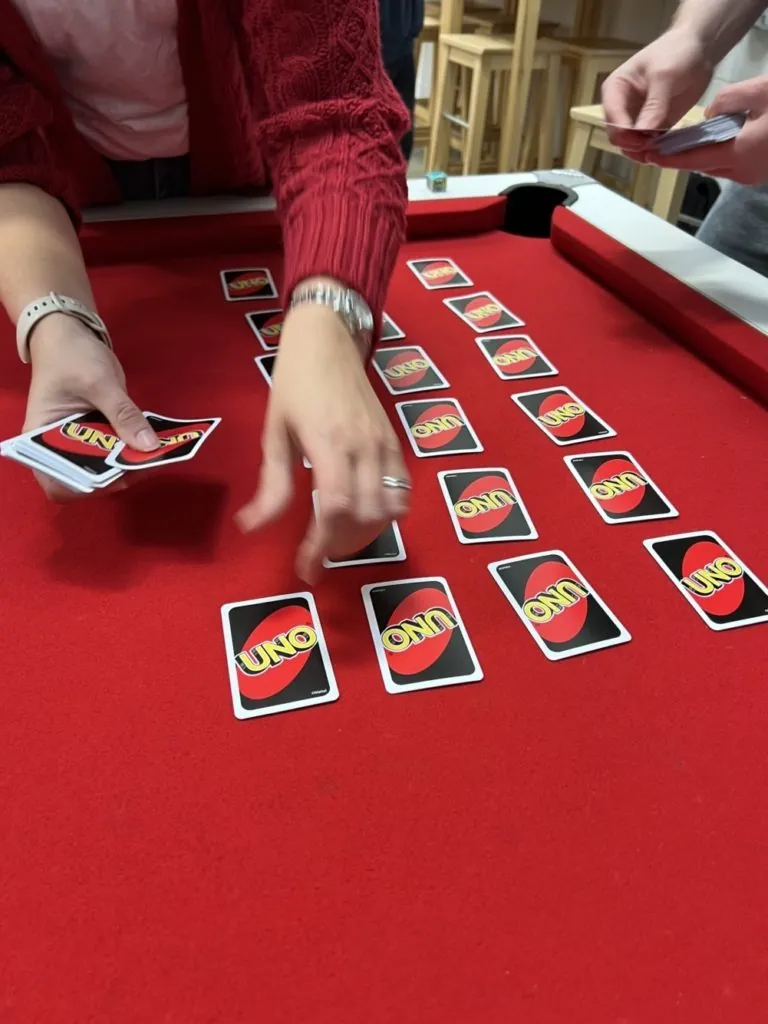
<point x="54" y="303"/>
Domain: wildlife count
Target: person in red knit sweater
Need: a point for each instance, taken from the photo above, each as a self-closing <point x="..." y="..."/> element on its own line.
<point x="102" y="101"/>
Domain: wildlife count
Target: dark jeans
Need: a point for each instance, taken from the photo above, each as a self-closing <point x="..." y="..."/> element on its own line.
<point x="402" y="72"/>
<point x="165" y="178"/>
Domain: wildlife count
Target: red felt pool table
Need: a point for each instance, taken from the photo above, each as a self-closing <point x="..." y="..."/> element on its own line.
<point x="580" y="841"/>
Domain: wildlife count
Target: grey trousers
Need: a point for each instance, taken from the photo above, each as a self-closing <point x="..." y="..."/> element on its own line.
<point x="737" y="225"/>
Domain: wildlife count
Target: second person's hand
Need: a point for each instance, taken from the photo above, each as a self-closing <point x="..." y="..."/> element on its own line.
<point x="655" y="88"/>
<point x="322" y="405"/>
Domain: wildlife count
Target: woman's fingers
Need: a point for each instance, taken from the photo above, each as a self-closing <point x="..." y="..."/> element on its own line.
<point x="275" y="488"/>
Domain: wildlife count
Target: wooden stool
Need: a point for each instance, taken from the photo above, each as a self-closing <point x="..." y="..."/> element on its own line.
<point x="659" y="190"/>
<point x="486" y="56"/>
<point x="424" y="109"/>
<point x="589" y="59"/>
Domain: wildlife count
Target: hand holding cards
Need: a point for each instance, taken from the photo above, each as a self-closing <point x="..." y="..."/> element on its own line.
<point x="84" y="453"/>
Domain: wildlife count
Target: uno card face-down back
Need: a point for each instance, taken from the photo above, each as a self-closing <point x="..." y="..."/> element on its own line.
<point x="619" y="488"/>
<point x="436" y="274"/>
<point x="276" y="655"/>
<point x="713" y="580"/>
<point x="484" y="506"/>
<point x="557" y="606"/>
<point x="562" y="416"/>
<point x="266" y="365"/>
<point x="515" y="356"/>
<point x="483" y="312"/>
<point x="418" y="634"/>
<point x="407" y="369"/>
<point x="387" y="547"/>
<point x="253" y="283"/>
<point x="437" y="427"/>
<point x="180" y="440"/>
<point x="267" y="325"/>
<point x="389" y="329"/>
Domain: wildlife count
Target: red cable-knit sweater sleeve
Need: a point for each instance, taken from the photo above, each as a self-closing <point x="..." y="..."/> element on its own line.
<point x="330" y="139"/>
<point x="25" y="117"/>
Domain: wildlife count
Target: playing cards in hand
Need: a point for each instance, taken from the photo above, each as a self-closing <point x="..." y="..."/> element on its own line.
<point x="84" y="453"/>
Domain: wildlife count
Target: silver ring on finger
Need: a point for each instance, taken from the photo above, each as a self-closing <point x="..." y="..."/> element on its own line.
<point x="396" y="483"/>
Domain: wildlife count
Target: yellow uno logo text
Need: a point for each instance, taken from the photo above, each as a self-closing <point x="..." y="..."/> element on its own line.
<point x="712" y="577"/>
<point x="468" y="508"/>
<point x="481" y="312"/>
<point x="621" y="483"/>
<point x="518" y="355"/>
<point x="91" y="436"/>
<point x="258" y="659"/>
<point x="434" y="426"/>
<point x="406" y="368"/>
<point x="554" y="600"/>
<point x="562" y="414"/>
<point x="402" y="635"/>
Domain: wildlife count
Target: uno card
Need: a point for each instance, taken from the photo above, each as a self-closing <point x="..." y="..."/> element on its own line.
<point x="483" y="312"/>
<point x="419" y="636"/>
<point x="266" y="365"/>
<point x="75" y="483"/>
<point x="254" y="283"/>
<point x="267" y="325"/>
<point x="557" y="606"/>
<point x="83" y="442"/>
<point x="514" y="356"/>
<point x="389" y="329"/>
<point x="180" y="440"/>
<point x="387" y="547"/>
<point x="619" y="488"/>
<point x="713" y="580"/>
<point x="404" y="370"/>
<point x="435" y="274"/>
<point x="276" y="655"/>
<point x="437" y="427"/>
<point x="563" y="417"/>
<point x="484" y="505"/>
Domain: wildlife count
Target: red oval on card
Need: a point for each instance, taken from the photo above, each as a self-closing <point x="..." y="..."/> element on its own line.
<point x="561" y="415"/>
<point x="557" y="615"/>
<point x="406" y="369"/>
<point x="437" y="426"/>
<point x="275" y="652"/>
<point x="438" y="273"/>
<point x="618" y="486"/>
<point x="713" y="578"/>
<point x="248" y="284"/>
<point x="513" y="357"/>
<point x="483" y="311"/>
<point x="484" y="504"/>
<point x="418" y="631"/>
<point x="272" y="328"/>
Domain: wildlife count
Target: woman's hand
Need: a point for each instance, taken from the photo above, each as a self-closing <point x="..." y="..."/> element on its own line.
<point x="322" y="405"/>
<point x="72" y="372"/>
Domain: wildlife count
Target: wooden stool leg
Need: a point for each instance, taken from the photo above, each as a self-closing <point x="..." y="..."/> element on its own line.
<point x="580" y="156"/>
<point x="669" y="195"/>
<point x="585" y="85"/>
<point x="548" y="127"/>
<point x="643" y="185"/>
<point x="440" y="142"/>
<point x="478" y="110"/>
